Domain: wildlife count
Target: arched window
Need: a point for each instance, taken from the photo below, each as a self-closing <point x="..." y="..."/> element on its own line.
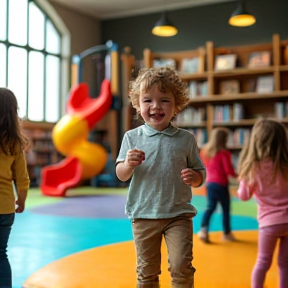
<point x="34" y="57"/>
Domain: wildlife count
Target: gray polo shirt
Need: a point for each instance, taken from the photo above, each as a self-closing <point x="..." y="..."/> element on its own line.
<point x="156" y="189"/>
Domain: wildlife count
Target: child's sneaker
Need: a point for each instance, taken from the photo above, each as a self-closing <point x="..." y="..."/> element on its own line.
<point x="229" y="237"/>
<point x="203" y="235"/>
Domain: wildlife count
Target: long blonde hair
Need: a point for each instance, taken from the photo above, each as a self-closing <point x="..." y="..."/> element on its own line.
<point x="268" y="141"/>
<point x="217" y="141"/>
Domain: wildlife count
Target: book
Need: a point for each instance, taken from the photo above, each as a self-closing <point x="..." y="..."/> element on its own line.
<point x="190" y="65"/>
<point x="265" y="84"/>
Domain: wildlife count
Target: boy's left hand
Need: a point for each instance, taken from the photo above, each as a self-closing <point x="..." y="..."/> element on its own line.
<point x="191" y="177"/>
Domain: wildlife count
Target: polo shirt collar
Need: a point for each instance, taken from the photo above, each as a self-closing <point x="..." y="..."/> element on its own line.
<point x="149" y="131"/>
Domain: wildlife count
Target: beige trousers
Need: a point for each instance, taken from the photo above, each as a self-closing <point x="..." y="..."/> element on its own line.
<point x="177" y="232"/>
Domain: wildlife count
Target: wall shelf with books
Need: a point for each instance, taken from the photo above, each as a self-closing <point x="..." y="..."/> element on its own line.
<point x="40" y="151"/>
<point x="190" y="62"/>
<point x="255" y="76"/>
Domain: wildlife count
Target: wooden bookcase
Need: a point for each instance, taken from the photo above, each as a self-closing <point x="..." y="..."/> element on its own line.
<point x="236" y="96"/>
<point x="41" y="151"/>
<point x="129" y="67"/>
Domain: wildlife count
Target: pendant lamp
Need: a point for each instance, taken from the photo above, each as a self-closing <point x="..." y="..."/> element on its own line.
<point x="240" y="17"/>
<point x="164" y="28"/>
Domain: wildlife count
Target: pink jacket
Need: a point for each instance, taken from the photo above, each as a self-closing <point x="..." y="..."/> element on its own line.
<point x="219" y="167"/>
<point x="272" y="199"/>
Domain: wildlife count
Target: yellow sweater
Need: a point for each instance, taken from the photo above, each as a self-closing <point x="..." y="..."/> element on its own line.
<point x="12" y="167"/>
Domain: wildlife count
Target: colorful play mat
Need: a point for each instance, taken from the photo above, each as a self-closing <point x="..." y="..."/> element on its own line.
<point x="85" y="241"/>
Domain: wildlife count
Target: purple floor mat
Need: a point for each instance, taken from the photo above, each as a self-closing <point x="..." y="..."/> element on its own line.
<point x="96" y="206"/>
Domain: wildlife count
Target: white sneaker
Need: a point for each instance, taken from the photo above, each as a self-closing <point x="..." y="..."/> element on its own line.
<point x="229" y="237"/>
<point x="203" y="235"/>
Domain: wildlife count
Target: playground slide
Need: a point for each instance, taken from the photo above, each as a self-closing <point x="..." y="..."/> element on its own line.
<point x="84" y="159"/>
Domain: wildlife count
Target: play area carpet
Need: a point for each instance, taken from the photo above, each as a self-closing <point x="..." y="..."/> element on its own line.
<point x="85" y="240"/>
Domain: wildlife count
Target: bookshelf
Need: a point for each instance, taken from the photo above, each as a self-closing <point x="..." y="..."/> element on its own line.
<point x="129" y="66"/>
<point x="242" y="84"/>
<point x="41" y="151"/>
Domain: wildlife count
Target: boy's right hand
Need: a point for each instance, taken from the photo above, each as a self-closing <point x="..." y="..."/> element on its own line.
<point x="134" y="158"/>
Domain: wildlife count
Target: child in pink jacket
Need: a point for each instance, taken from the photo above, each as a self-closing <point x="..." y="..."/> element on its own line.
<point x="263" y="172"/>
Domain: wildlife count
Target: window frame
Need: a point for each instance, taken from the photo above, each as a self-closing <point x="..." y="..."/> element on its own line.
<point x="51" y="15"/>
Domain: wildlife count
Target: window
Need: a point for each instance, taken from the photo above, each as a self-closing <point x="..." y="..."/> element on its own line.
<point x="34" y="55"/>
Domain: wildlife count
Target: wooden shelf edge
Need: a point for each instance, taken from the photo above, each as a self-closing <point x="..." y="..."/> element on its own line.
<point x="233" y="72"/>
<point x="191" y="125"/>
<point x="240" y="96"/>
<point x="37" y="125"/>
<point x="193" y="76"/>
<point x="244" y="71"/>
<point x="243" y="122"/>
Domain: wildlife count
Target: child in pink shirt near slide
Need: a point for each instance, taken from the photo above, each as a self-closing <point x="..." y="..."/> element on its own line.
<point x="263" y="172"/>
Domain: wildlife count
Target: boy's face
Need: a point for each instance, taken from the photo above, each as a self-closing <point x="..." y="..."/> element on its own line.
<point x="157" y="108"/>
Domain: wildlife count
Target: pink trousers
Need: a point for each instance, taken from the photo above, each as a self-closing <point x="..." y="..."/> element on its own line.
<point x="267" y="240"/>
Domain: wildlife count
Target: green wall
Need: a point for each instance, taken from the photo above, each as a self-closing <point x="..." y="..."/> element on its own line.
<point x="198" y="25"/>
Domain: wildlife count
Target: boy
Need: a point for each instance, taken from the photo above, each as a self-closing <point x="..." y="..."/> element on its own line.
<point x="163" y="162"/>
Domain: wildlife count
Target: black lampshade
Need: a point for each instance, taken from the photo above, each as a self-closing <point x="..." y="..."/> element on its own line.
<point x="164" y="27"/>
<point x="240" y="17"/>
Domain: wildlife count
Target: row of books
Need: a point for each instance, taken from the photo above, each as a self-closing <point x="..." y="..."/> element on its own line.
<point x="38" y="134"/>
<point x="281" y="110"/>
<point x="164" y="63"/>
<point x="38" y="159"/>
<point x="191" y="115"/>
<point x="235" y="158"/>
<point x="200" y="135"/>
<point x="185" y="66"/>
<point x="238" y="137"/>
<point x="227" y="113"/>
<point x="197" y="89"/>
<point x="40" y="145"/>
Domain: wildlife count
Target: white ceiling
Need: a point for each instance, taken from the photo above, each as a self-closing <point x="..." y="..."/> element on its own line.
<point x="108" y="9"/>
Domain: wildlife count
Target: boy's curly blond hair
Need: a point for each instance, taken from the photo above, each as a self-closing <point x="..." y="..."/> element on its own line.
<point x="168" y="80"/>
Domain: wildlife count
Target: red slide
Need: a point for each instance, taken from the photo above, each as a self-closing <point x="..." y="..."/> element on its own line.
<point x="84" y="159"/>
<point x="62" y="176"/>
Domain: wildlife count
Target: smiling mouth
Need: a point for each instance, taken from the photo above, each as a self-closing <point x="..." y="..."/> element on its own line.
<point x="157" y="115"/>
